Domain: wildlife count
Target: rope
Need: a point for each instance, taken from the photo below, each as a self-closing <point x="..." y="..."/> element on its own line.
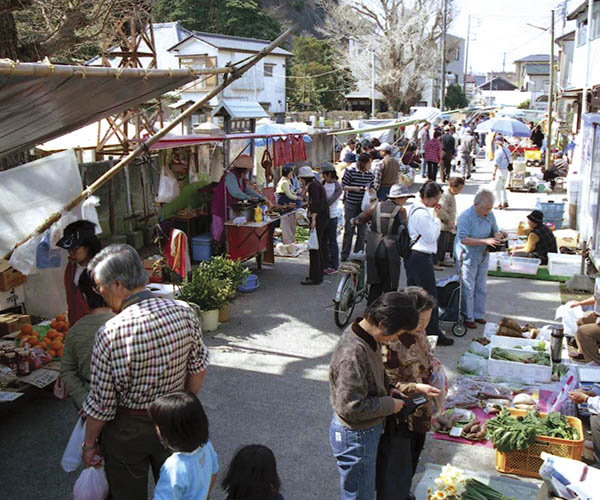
<point x="119" y="73"/>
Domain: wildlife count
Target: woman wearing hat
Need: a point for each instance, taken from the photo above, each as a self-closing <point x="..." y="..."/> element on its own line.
<point x="232" y="187"/>
<point x="318" y="218"/>
<point x="80" y="240"/>
<point x="385" y="219"/>
<point x="334" y="191"/>
<point x="540" y="241"/>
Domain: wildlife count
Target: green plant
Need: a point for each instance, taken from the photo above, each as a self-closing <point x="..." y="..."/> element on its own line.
<point x="230" y="273"/>
<point x="204" y="290"/>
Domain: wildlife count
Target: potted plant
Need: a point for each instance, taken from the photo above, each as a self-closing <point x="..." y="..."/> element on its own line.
<point x="205" y="290"/>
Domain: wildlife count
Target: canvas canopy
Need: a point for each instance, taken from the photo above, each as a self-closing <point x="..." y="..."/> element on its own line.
<point x="39" y="102"/>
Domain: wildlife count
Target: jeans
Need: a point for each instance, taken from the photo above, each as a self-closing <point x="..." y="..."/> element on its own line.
<point x="394" y="465"/>
<point x="467" y="164"/>
<point x="382" y="192"/>
<point x="420" y="272"/>
<point x="355" y="452"/>
<point x="332" y="251"/>
<point x="474" y="286"/>
<point x="350" y="211"/>
<point x="501" y="179"/>
<point x="432" y="170"/>
<point x="423" y="165"/>
<point x="130" y="446"/>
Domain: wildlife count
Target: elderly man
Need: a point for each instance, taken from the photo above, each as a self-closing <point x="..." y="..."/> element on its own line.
<point x="468" y="147"/>
<point x="477" y="231"/>
<point x="151" y="348"/>
<point x="385" y="172"/>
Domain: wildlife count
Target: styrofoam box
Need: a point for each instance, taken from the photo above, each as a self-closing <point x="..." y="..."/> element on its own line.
<point x="490" y="329"/>
<point x="512" y="342"/>
<point x="561" y="264"/>
<point x="521" y="265"/>
<point x="512" y="370"/>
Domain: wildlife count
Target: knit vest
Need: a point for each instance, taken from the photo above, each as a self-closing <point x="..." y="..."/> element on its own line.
<point x="546" y="243"/>
<point x="389" y="171"/>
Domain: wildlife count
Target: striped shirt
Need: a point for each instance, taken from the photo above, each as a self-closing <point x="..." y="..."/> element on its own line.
<point x="144" y="352"/>
<point x="354" y="177"/>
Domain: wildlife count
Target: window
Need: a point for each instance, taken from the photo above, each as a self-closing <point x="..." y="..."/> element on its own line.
<point x="204" y="82"/>
<point x="596" y="23"/>
<point x="457" y="54"/>
<point x="581" y="33"/>
<point x="269" y="70"/>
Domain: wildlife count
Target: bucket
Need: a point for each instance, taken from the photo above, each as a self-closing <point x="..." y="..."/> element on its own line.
<point x="250" y="284"/>
<point x="224" y="314"/>
<point x="210" y="320"/>
<point x="202" y="247"/>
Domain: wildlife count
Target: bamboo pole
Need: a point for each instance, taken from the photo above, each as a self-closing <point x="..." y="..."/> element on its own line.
<point x="109" y="174"/>
<point x="8" y="67"/>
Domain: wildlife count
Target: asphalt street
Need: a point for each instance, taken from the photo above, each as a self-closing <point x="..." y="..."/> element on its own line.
<point x="267" y="382"/>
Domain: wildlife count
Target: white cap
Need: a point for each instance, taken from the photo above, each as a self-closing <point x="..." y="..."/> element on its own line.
<point x="385" y="146"/>
<point x="305" y="172"/>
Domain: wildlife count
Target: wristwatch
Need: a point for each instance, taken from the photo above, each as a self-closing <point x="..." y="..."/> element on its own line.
<point x="87" y="448"/>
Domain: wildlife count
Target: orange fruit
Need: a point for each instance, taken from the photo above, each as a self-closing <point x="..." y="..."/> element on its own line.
<point x="59" y="353"/>
<point x="43" y="345"/>
<point x="53" y="324"/>
<point x="52" y="353"/>
<point x="52" y="334"/>
<point x="60" y="317"/>
<point x="32" y="341"/>
<point x="27" y="330"/>
<point x="56" y="345"/>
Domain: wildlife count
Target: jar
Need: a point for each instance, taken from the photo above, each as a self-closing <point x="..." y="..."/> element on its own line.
<point x="11" y="361"/>
<point x="23" y="362"/>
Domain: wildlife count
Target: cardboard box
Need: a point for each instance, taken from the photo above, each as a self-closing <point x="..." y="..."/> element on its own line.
<point x="9" y="278"/>
<point x="12" y="298"/>
<point x="10" y="323"/>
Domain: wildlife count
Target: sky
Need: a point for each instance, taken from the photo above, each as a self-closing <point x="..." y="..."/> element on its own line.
<point x="499" y="30"/>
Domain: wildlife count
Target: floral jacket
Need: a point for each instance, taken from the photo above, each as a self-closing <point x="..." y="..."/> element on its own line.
<point x="407" y="362"/>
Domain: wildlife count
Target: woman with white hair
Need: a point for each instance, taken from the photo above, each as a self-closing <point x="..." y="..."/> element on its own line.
<point x="501" y="172"/>
<point x="477" y="231"/>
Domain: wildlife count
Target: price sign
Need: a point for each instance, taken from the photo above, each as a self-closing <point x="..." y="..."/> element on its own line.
<point x="9" y="396"/>
<point x="40" y="378"/>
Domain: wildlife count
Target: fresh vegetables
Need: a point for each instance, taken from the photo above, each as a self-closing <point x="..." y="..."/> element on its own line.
<point x="509" y="433"/>
<point x="538" y="358"/>
<point x="540" y="346"/>
<point x="452" y="484"/>
<point x="476" y="490"/>
<point x="443" y="423"/>
<point x="524" y="401"/>
<point x="474" y="431"/>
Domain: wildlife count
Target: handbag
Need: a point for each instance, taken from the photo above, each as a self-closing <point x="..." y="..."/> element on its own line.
<point x="510" y="167"/>
<point x="313" y="240"/>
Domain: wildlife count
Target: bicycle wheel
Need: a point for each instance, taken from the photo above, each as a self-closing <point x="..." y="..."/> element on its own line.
<point x="344" y="308"/>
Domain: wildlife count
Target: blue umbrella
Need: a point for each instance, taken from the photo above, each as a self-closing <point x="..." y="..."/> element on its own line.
<point x="505" y="126"/>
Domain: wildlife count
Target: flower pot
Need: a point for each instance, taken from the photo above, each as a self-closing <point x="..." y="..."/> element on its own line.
<point x="224" y="314"/>
<point x="210" y="320"/>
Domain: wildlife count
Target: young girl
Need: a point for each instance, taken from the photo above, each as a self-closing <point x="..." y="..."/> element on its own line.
<point x="181" y="424"/>
<point x="252" y="475"/>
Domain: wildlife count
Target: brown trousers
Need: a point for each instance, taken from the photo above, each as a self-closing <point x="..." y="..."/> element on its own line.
<point x="588" y="338"/>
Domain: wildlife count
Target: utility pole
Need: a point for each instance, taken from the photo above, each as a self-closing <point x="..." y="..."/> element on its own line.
<point x="504" y="63"/>
<point x="584" y="104"/>
<point x="550" y="95"/>
<point x="443" y="86"/>
<point x="373" y="84"/>
<point x="467" y="55"/>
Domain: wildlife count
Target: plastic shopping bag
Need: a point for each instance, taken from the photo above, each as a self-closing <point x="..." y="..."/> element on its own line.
<point x="569" y="316"/>
<point x="91" y="485"/>
<point x="168" y="187"/>
<point x="439" y="380"/>
<point x="562" y="396"/>
<point x="366" y="201"/>
<point x="72" y="456"/>
<point x="313" y="240"/>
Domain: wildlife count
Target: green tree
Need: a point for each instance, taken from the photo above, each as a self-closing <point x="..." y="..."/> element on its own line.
<point x="314" y="80"/>
<point x="455" y="97"/>
<point x="229" y="17"/>
<point x="525" y="104"/>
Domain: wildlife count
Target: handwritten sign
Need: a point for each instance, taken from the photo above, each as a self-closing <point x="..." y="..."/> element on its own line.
<point x="40" y="378"/>
<point x="9" y="396"/>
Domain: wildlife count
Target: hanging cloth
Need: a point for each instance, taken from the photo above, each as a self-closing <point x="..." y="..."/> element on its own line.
<point x="298" y="148"/>
<point x="278" y="153"/>
<point x="177" y="253"/>
<point x="287" y="150"/>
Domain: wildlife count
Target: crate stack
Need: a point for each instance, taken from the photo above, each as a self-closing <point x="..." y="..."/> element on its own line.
<point x="553" y="212"/>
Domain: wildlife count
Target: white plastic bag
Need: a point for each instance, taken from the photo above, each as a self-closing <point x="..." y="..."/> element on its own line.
<point x="168" y="187"/>
<point x="72" y="456"/>
<point x="366" y="201"/>
<point x="562" y="396"/>
<point x="471" y="364"/>
<point x="91" y="485"/>
<point x="438" y="380"/>
<point x="313" y="240"/>
<point x="479" y="349"/>
<point x="569" y="316"/>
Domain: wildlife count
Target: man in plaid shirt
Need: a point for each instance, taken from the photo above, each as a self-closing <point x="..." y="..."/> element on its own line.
<point x="151" y="348"/>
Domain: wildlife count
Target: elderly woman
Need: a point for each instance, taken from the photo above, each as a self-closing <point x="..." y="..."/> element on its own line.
<point x="409" y="365"/>
<point x="540" y="241"/>
<point x="447" y="215"/>
<point x="75" y="363"/>
<point x="477" y="231"/>
<point x="286" y="196"/>
<point x="359" y="395"/>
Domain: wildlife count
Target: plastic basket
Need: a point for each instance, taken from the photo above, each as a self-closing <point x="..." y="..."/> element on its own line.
<point x="550" y="209"/>
<point x="528" y="462"/>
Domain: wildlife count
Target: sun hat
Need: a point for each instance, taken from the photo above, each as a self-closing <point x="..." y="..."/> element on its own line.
<point x="386" y="146"/>
<point x="243" y="161"/>
<point x="400" y="191"/>
<point x="305" y="172"/>
<point x="76" y="233"/>
<point x="536" y="216"/>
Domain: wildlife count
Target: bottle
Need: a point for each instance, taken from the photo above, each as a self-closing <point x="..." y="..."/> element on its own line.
<point x="258" y="214"/>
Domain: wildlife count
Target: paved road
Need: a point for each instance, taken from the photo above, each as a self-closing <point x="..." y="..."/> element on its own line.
<point x="267" y="382"/>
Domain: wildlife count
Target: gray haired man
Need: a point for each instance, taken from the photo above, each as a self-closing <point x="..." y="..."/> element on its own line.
<point x="151" y="348"/>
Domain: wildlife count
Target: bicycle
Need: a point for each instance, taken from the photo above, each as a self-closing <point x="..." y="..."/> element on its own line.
<point x="352" y="288"/>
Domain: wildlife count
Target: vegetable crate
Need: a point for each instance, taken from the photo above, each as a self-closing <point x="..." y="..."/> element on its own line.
<point x="528" y="462"/>
<point x="513" y="370"/>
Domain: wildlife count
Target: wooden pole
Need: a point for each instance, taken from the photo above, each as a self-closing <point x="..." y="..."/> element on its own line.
<point x="109" y="174"/>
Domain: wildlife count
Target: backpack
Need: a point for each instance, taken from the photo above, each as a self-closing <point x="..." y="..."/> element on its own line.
<point x="405" y="243"/>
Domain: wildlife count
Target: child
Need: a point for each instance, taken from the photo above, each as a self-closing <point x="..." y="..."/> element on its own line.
<point x="252" y="475"/>
<point x="181" y="424"/>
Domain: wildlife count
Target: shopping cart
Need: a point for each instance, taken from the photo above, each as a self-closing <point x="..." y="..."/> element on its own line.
<point x="449" y="291"/>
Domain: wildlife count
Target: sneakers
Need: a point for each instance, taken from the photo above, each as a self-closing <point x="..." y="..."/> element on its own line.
<point x="444" y="341"/>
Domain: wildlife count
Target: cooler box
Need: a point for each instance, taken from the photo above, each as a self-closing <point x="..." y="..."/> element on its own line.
<point x="562" y="264"/>
<point x="202" y="247"/>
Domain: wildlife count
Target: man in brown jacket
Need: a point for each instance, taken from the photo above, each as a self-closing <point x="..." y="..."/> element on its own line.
<point x="386" y="172"/>
<point x="359" y="396"/>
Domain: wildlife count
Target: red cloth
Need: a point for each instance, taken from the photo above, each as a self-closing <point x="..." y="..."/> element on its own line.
<point x="287" y="148"/>
<point x="298" y="148"/>
<point x="278" y="154"/>
<point x="221" y="201"/>
<point x="76" y="304"/>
